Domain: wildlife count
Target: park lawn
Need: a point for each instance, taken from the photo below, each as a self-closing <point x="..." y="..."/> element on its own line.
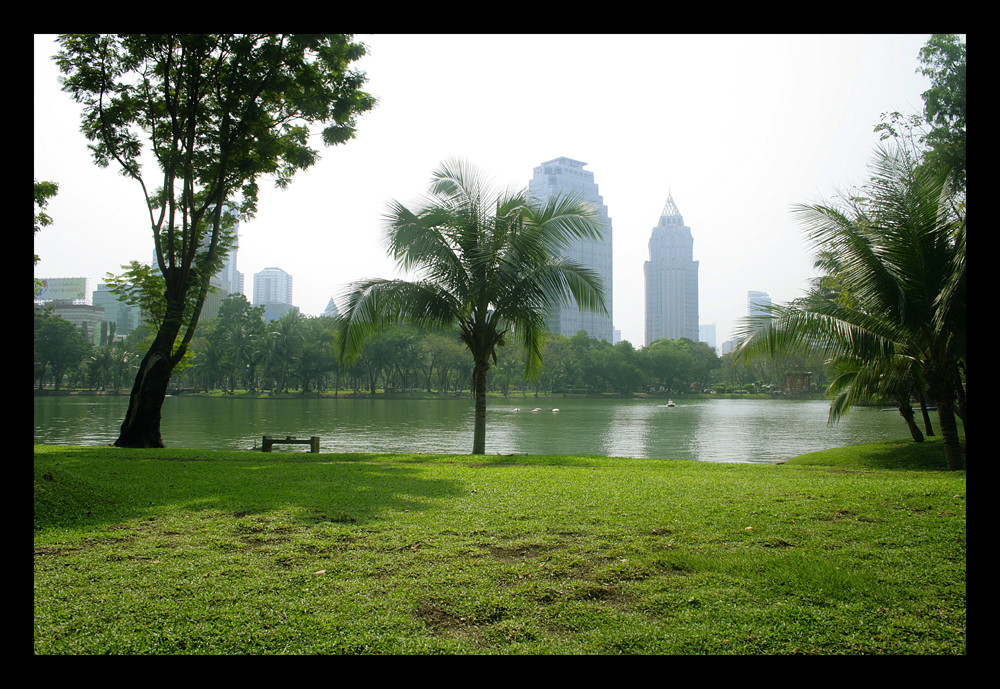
<point x="851" y="551"/>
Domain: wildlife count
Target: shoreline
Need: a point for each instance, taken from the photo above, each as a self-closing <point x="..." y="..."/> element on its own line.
<point x="411" y="395"/>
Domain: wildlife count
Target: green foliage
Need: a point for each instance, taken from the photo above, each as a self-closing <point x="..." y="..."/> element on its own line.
<point x="237" y="351"/>
<point x="59" y="346"/>
<point x="43" y="192"/>
<point x="943" y="60"/>
<point x="898" y="315"/>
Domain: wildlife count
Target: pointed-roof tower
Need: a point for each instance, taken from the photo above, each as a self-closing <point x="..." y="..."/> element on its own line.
<point x="671" y="215"/>
<point x="671" y="279"/>
<point x="331" y="309"/>
<point x="670" y="208"/>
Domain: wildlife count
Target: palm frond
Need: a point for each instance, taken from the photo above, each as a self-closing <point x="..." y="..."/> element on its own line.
<point x="376" y="303"/>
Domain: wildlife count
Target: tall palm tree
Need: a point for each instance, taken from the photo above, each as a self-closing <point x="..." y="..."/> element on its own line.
<point x="487" y="262"/>
<point x="901" y="256"/>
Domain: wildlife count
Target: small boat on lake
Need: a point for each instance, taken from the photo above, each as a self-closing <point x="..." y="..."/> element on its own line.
<point x="670" y="403"/>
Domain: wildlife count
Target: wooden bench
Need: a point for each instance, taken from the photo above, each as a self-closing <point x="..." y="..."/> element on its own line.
<point x="313" y="442"/>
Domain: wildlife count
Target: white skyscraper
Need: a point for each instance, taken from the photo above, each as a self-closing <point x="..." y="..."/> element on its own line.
<point x="567" y="177"/>
<point x="757" y="303"/>
<point x="671" y="279"/>
<point x="272" y="288"/>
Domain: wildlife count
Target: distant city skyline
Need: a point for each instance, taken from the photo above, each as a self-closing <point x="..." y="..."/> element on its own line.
<point x="737" y="127"/>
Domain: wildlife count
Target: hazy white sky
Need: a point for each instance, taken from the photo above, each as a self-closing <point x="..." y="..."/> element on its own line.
<point x="737" y="128"/>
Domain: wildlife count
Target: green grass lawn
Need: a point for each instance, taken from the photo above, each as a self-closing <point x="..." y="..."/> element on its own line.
<point x="852" y="551"/>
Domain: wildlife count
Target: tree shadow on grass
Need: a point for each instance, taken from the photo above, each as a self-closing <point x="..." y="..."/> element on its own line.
<point x="81" y="487"/>
<point x="902" y="454"/>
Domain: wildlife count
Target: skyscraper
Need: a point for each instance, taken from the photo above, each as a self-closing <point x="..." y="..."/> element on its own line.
<point x="567" y="177"/>
<point x="272" y="288"/>
<point x="671" y="279"/>
<point x="758" y="303"/>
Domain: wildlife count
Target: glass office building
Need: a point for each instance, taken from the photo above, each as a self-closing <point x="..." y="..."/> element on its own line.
<point x="671" y="279"/>
<point x="567" y="176"/>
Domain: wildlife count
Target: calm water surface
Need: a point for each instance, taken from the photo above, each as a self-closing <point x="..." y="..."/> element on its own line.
<point x="704" y="430"/>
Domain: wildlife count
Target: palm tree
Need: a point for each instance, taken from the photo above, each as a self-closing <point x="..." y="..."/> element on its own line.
<point x="900" y="313"/>
<point x="282" y="345"/>
<point x="487" y="262"/>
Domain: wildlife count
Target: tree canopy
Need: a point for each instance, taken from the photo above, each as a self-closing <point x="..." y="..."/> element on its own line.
<point x="215" y="112"/>
<point x="943" y="61"/>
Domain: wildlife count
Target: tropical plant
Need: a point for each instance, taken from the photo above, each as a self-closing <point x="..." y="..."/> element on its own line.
<point x="900" y="248"/>
<point x="487" y="262"/>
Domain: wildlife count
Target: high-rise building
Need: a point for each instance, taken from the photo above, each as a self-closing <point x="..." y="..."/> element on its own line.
<point x="565" y="176"/>
<point x="232" y="279"/>
<point x="706" y="334"/>
<point x="757" y="303"/>
<point x="272" y="288"/>
<point x="126" y="318"/>
<point x="671" y="279"/>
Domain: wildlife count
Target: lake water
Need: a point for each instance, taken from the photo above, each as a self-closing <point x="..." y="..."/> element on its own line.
<point x="710" y="430"/>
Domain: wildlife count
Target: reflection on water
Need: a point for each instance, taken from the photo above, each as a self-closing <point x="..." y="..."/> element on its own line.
<point x="706" y="430"/>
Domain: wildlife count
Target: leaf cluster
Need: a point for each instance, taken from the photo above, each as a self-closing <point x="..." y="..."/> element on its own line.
<point x="43" y="192"/>
<point x="215" y="112"/>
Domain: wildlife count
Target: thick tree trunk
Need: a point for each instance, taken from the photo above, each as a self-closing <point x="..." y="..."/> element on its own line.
<point x="479" y="392"/>
<point x="141" y="427"/>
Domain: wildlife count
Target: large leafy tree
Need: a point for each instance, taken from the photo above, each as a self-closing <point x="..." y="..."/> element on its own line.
<point x="215" y="111"/>
<point x="488" y="262"/>
<point x="898" y="313"/>
<point x="943" y="61"/>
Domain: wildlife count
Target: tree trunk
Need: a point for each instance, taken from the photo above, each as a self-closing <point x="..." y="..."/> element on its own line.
<point x="479" y="392"/>
<point x="906" y="411"/>
<point x="923" y="411"/>
<point x="941" y="391"/>
<point x="141" y="427"/>
<point x="949" y="435"/>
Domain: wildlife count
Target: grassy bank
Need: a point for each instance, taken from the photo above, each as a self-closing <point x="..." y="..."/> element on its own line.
<point x="850" y="551"/>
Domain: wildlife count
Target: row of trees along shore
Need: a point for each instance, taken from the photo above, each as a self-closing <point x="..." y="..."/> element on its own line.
<point x="238" y="352"/>
<point x="220" y="110"/>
